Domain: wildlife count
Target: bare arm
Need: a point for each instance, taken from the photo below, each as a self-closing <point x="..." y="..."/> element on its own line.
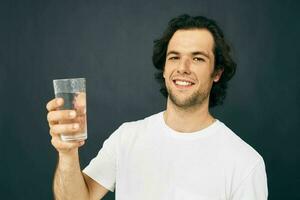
<point x="69" y="181"/>
<point x="96" y="190"/>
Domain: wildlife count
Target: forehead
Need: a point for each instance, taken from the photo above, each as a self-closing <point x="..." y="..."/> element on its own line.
<point x="186" y="41"/>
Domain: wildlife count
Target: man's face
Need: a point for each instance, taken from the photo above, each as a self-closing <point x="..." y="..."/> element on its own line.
<point x="189" y="67"/>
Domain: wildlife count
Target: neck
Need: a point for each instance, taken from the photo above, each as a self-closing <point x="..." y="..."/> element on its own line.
<point x="188" y="119"/>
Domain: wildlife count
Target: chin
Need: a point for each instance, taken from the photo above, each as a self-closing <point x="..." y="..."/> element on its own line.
<point x="183" y="102"/>
<point x="188" y="100"/>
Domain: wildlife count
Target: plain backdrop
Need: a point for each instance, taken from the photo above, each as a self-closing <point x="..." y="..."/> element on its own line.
<point x="110" y="44"/>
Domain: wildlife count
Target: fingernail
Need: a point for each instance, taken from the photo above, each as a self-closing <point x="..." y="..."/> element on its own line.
<point x="75" y="126"/>
<point x="72" y="114"/>
<point x="59" y="101"/>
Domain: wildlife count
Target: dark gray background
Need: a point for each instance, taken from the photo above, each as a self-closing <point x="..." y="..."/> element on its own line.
<point x="110" y="43"/>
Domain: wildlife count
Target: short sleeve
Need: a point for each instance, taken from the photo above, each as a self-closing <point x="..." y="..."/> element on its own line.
<point x="254" y="186"/>
<point x="102" y="168"/>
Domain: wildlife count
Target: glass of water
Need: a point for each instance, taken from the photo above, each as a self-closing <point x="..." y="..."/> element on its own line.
<point x="74" y="94"/>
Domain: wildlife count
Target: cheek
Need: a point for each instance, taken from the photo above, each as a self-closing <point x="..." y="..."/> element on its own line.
<point x="203" y="76"/>
<point x="166" y="72"/>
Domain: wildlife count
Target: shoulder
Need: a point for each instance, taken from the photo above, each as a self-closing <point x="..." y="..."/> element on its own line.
<point x="132" y="129"/>
<point x="235" y="152"/>
<point x="141" y="123"/>
<point x="241" y="161"/>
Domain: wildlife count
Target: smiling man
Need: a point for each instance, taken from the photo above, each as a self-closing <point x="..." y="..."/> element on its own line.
<point x="189" y="74"/>
<point x="182" y="153"/>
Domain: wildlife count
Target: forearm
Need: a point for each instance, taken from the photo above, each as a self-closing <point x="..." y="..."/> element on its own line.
<point x="68" y="180"/>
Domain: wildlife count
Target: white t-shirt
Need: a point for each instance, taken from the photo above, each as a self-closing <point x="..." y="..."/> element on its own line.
<point x="147" y="160"/>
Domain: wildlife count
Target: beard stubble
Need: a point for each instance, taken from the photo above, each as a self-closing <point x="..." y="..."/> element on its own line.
<point x="196" y="98"/>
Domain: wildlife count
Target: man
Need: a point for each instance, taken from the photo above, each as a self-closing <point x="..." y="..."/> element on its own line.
<point x="180" y="153"/>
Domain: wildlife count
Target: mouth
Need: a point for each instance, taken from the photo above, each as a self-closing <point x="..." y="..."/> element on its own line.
<point x="183" y="83"/>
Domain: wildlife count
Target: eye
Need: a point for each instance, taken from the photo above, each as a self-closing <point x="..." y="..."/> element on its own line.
<point x="198" y="59"/>
<point x="173" y="58"/>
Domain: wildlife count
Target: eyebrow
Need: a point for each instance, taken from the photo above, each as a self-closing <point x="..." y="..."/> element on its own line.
<point x="193" y="53"/>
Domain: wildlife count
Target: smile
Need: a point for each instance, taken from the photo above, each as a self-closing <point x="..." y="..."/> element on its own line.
<point x="183" y="83"/>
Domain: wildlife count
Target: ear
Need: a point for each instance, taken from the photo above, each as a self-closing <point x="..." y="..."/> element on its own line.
<point x="218" y="75"/>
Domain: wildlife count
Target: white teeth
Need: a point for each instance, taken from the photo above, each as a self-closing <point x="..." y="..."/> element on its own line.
<point x="184" y="83"/>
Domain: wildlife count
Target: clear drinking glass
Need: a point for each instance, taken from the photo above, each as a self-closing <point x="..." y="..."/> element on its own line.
<point x="74" y="94"/>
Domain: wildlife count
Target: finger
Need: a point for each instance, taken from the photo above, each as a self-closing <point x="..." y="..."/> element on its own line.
<point x="61" y="115"/>
<point x="64" y="128"/>
<point x="80" y="110"/>
<point x="54" y="104"/>
<point x="51" y="123"/>
<point x="65" y="146"/>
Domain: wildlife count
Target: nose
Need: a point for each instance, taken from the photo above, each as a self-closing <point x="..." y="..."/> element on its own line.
<point x="184" y="66"/>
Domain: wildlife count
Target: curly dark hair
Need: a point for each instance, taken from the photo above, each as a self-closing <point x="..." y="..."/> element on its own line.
<point x="223" y="60"/>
